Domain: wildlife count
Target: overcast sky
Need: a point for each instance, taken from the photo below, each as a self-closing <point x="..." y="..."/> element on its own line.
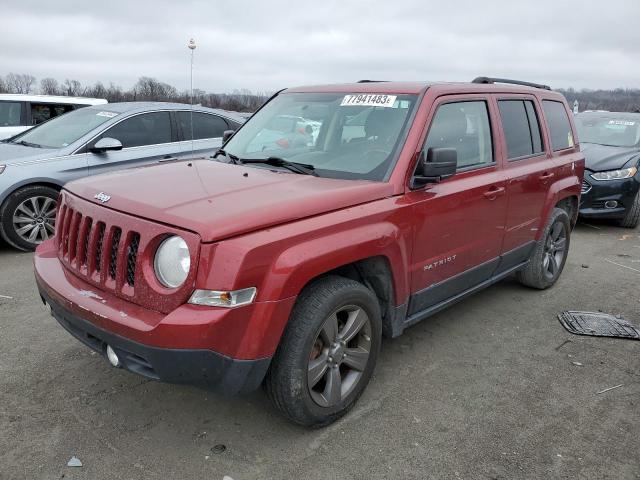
<point x="267" y="45"/>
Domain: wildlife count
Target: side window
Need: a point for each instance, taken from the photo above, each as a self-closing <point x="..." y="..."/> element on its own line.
<point x="464" y="126"/>
<point x="521" y="128"/>
<point x="10" y="114"/>
<point x="205" y="125"/>
<point x="559" y="126"/>
<point x="145" y="129"/>
<point x="41" y="112"/>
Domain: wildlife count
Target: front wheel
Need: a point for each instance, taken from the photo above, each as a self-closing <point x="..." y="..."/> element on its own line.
<point x="28" y="216"/>
<point x="549" y="256"/>
<point x="632" y="215"/>
<point x="327" y="353"/>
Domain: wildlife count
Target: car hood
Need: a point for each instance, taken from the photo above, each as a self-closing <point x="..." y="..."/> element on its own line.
<point x="11" y="154"/>
<point x="218" y="200"/>
<point x="599" y="158"/>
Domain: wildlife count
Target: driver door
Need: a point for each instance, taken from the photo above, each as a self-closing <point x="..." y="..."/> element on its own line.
<point x="146" y="138"/>
<point x="459" y="222"/>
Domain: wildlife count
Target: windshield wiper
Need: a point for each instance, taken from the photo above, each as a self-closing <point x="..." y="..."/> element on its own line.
<point x="28" y="144"/>
<point x="302" y="168"/>
<point x="230" y="156"/>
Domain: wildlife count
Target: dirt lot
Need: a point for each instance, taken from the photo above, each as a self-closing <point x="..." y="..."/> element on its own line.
<point x="486" y="389"/>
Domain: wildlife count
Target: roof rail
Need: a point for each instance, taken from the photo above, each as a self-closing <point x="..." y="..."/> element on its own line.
<point x="506" y="80"/>
<point x="372" y="81"/>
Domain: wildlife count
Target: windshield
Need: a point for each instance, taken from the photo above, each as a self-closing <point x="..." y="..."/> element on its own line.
<point x="608" y="131"/>
<point x="65" y="129"/>
<point x="340" y="135"/>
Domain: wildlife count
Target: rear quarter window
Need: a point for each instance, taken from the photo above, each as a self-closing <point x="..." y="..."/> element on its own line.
<point x="559" y="125"/>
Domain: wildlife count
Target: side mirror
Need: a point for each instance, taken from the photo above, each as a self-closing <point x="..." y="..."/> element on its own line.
<point x="227" y="135"/>
<point x="106" y="144"/>
<point x="435" y="166"/>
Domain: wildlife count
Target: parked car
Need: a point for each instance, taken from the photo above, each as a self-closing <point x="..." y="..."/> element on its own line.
<point x="611" y="145"/>
<point x="35" y="164"/>
<point x="21" y="112"/>
<point x="287" y="270"/>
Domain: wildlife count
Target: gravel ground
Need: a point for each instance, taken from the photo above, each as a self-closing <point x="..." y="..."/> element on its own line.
<point x="486" y="389"/>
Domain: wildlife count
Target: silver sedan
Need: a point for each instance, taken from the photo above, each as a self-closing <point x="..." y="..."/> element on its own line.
<point x="34" y="165"/>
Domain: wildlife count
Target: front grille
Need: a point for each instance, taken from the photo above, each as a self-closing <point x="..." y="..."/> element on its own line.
<point x="106" y="249"/>
<point x="113" y="258"/>
<point x="83" y="244"/>
<point x="100" y="243"/>
<point x="586" y="186"/>
<point x="132" y="256"/>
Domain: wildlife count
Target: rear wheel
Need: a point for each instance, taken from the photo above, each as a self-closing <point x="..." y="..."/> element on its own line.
<point x="327" y="353"/>
<point x="27" y="217"/>
<point x="632" y="215"/>
<point x="549" y="256"/>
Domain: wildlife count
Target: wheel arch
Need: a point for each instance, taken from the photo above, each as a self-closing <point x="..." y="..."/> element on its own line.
<point x="31" y="182"/>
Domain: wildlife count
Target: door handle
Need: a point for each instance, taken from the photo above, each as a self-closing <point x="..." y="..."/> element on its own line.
<point x="547" y="175"/>
<point x="494" y="192"/>
<point x="168" y="158"/>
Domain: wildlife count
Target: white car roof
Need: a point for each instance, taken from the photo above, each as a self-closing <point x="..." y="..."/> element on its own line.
<point x="51" y="99"/>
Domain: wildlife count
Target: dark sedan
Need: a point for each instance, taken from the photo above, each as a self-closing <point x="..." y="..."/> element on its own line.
<point x="611" y="145"/>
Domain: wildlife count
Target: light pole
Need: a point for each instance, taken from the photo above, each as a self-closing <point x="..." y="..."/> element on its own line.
<point x="192" y="46"/>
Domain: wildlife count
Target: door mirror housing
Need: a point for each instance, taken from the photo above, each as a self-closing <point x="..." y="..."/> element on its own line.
<point x="106" y="144"/>
<point x="227" y="135"/>
<point x="434" y="166"/>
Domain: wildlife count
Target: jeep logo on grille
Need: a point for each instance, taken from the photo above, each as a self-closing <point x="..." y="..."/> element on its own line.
<point x="103" y="197"/>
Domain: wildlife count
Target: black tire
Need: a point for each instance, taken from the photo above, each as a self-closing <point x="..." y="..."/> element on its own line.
<point x="538" y="272"/>
<point x="8" y="228"/>
<point x="288" y="380"/>
<point x="632" y="215"/>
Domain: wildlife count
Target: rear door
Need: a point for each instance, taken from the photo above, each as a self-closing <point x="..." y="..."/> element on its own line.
<point x="206" y="130"/>
<point x="530" y="170"/>
<point x="146" y="138"/>
<point x="459" y="222"/>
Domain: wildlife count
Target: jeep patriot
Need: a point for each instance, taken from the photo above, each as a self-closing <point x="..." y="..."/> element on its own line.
<point x="286" y="257"/>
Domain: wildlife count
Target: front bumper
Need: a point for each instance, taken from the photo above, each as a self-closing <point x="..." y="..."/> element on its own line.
<point x="595" y="193"/>
<point x="227" y="350"/>
<point x="203" y="368"/>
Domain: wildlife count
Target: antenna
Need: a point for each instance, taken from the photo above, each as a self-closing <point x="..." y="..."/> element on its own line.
<point x="192" y="47"/>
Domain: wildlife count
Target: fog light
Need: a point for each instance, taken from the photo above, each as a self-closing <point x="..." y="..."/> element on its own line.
<point x="112" y="356"/>
<point x="610" y="204"/>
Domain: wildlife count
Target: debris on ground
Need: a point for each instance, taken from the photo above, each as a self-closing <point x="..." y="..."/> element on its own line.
<point x="584" y="265"/>
<point x="74" y="462"/>
<point x="577" y="364"/>
<point x="217" y="449"/>
<point x="598" y="324"/>
<point x="607" y="389"/>
<point x="623" y="266"/>
<point x="7" y="297"/>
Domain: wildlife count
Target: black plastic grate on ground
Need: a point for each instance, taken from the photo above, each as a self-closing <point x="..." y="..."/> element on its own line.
<point x="598" y="325"/>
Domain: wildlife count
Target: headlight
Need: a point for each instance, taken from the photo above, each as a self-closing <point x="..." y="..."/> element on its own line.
<point x="615" y="174"/>
<point x="172" y="262"/>
<point x="2" y="167"/>
<point x="228" y="299"/>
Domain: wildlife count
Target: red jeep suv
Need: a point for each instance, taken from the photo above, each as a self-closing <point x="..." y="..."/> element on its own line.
<point x="283" y="261"/>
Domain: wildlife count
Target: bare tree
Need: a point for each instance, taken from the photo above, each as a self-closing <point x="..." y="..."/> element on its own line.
<point x="19" y="82"/>
<point x="49" y="86"/>
<point x="148" y="88"/>
<point x="73" y="88"/>
<point x="3" y="87"/>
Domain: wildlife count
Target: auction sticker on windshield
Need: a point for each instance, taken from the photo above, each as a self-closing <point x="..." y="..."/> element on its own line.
<point x="107" y="114"/>
<point x="369" y="100"/>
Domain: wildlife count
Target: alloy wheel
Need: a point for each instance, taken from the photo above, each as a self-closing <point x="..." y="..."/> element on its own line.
<point x="34" y="219"/>
<point x="554" y="250"/>
<point x="339" y="356"/>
